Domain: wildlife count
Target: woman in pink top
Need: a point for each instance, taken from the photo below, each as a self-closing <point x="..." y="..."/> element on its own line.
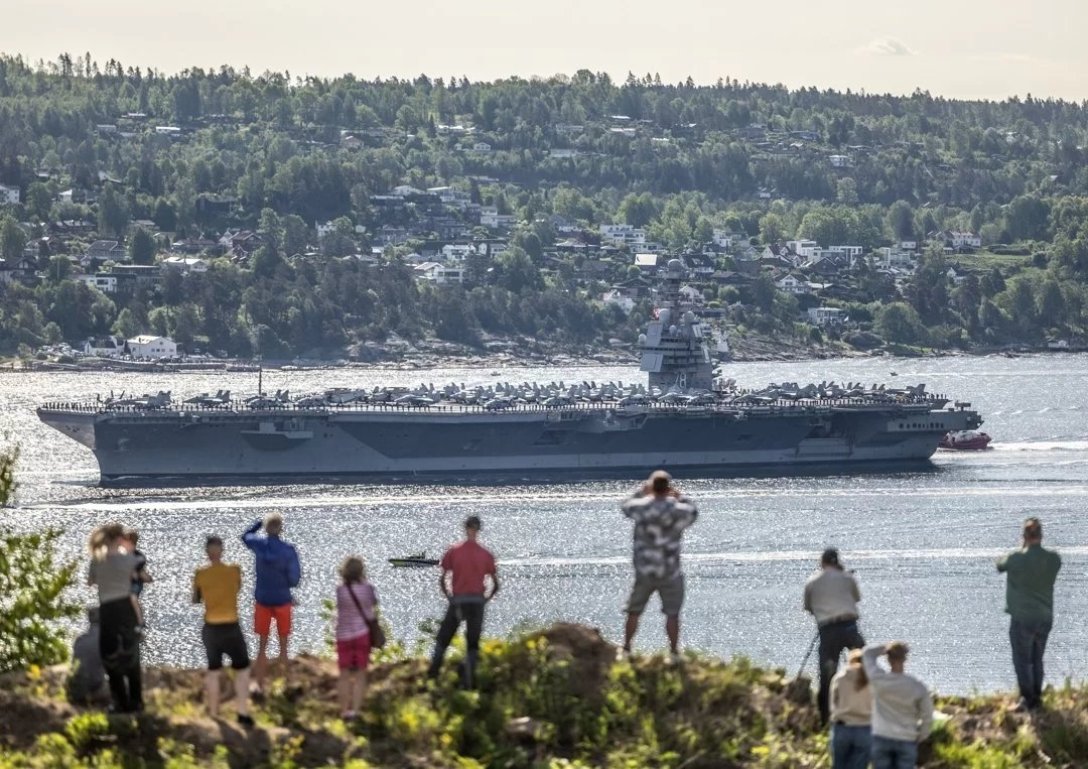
<point x="355" y="603"/>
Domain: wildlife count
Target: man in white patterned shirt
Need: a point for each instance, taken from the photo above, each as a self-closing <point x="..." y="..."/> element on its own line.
<point x="660" y="515"/>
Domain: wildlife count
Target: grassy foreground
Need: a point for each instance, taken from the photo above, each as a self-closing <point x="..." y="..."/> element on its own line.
<point x="552" y="699"/>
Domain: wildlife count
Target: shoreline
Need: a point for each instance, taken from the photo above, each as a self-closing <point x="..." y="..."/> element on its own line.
<point x="497" y="362"/>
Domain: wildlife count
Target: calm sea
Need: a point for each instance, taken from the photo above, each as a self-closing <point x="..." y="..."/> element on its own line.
<point x="923" y="544"/>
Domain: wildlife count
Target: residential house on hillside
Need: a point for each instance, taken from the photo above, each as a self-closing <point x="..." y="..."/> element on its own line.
<point x="102" y="251"/>
<point x="9" y="195"/>
<point x="492" y="219"/>
<point x="148" y="346"/>
<point x="623" y="234"/>
<point x="827" y="316"/>
<point x="647" y="263"/>
<point x="110" y="282"/>
<point x="105" y="347"/>
<point x="185" y="264"/>
<point x="957" y="240"/>
<point x="791" y="284"/>
<point x="440" y="274"/>
<point x="146" y="275"/>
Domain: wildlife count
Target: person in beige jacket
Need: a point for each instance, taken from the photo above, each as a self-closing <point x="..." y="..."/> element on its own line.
<point x="851" y="716"/>
<point x="902" y="707"/>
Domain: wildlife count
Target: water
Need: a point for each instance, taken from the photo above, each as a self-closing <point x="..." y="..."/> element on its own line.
<point x="923" y="544"/>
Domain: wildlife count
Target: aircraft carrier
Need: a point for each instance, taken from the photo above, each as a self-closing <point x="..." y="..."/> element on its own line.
<point x="682" y="418"/>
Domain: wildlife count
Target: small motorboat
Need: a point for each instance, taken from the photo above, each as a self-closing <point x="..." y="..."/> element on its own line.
<point x="966" y="440"/>
<point x="417" y="561"/>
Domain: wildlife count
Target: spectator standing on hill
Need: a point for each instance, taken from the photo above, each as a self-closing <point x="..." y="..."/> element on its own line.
<point x="902" y="707"/>
<point x="1030" y="573"/>
<point x="661" y="514"/>
<point x="141" y="577"/>
<point x="277" y="572"/>
<point x="851" y="716"/>
<point x="217" y="585"/>
<point x="465" y="568"/>
<point x="831" y="596"/>
<point x="112" y="570"/>
<point x="356" y="604"/>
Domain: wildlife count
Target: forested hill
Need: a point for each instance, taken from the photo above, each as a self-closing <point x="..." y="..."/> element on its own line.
<point x="521" y="170"/>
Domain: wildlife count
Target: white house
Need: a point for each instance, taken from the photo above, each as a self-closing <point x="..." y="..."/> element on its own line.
<point x="186" y="264"/>
<point x="104" y="347"/>
<point x="725" y="238"/>
<point x="897" y="258"/>
<point x="9" y="195"/>
<point x="791" y="284"/>
<point x="492" y="219"/>
<point x="563" y="154"/>
<point x="456" y="252"/>
<point x="826" y="316"/>
<point x="623" y="234"/>
<point x="481" y="147"/>
<point x="958" y="239"/>
<point x="440" y="274"/>
<point x="806" y="249"/>
<point x="839" y="161"/>
<point x="147" y="346"/>
<point x="104" y="282"/>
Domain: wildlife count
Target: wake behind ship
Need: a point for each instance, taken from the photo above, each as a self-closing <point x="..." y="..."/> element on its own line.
<point x="681" y="419"/>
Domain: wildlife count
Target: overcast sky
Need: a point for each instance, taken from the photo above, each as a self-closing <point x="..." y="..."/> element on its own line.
<point x="961" y="48"/>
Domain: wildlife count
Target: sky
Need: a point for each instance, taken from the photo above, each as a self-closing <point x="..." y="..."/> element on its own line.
<point x="957" y="48"/>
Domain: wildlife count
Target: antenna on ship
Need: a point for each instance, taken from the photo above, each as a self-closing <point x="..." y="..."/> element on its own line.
<point x="260" y="377"/>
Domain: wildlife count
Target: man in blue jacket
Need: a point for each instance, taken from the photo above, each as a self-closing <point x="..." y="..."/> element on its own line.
<point x="277" y="571"/>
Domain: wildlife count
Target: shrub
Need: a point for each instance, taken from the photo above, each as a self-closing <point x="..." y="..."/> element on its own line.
<point x="32" y="590"/>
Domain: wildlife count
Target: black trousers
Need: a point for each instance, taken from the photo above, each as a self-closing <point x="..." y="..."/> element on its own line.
<point x="472" y="614"/>
<point x="120" y="649"/>
<point x="834" y="639"/>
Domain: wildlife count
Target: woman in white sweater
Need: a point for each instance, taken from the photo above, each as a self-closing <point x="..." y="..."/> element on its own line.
<point x="851" y="716"/>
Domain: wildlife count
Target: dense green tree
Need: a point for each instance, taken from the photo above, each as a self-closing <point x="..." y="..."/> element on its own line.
<point x="12" y="239"/>
<point x="142" y="247"/>
<point x="899" y="322"/>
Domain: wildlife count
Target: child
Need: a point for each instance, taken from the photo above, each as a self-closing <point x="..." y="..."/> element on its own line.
<point x="355" y="605"/>
<point x="140" y="577"/>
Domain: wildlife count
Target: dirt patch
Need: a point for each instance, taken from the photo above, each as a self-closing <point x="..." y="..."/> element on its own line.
<point x="589" y="654"/>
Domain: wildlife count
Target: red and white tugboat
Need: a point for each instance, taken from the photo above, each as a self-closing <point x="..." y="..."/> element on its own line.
<point x="966" y="440"/>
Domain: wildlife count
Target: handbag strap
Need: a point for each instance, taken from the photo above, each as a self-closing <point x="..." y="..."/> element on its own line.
<point x="359" y="606"/>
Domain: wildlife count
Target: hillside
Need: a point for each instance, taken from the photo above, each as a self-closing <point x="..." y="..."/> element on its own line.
<point x="264" y="214"/>
<point x="553" y="699"/>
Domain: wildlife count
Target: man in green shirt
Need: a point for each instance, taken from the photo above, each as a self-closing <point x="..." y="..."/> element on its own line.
<point x="1029" y="600"/>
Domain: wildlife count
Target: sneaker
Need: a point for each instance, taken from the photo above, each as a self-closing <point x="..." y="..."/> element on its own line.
<point x="348" y="715"/>
<point x="676" y="659"/>
<point x="623" y="655"/>
<point x="245" y="720"/>
<point x="1021" y="706"/>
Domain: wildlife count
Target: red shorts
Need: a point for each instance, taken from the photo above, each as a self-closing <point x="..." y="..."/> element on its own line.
<point x="353" y="653"/>
<point x="263" y="616"/>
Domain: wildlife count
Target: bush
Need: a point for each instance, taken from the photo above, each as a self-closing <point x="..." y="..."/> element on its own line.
<point x="32" y="590"/>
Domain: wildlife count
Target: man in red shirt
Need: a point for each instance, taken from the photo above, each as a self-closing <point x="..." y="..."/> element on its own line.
<point x="466" y="565"/>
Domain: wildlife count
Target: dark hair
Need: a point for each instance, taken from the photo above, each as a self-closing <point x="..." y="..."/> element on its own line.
<point x="213" y="540"/>
<point x="830" y="557"/>
<point x="1033" y="528"/>
<point x="660" y="482"/>
<point x="473" y="522"/>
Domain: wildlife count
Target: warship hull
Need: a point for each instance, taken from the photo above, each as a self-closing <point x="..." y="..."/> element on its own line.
<point x="472" y="444"/>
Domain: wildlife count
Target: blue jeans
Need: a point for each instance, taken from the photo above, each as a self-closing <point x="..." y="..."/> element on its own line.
<point x="851" y="746"/>
<point x="894" y="754"/>
<point x="1028" y="645"/>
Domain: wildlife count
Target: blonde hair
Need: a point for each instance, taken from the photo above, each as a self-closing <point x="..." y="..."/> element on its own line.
<point x="102" y="537"/>
<point x="853" y="659"/>
<point x="353" y="570"/>
<point x="273" y="524"/>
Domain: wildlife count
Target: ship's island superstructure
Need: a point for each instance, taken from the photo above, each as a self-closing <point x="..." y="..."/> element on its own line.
<point x="682" y="419"/>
